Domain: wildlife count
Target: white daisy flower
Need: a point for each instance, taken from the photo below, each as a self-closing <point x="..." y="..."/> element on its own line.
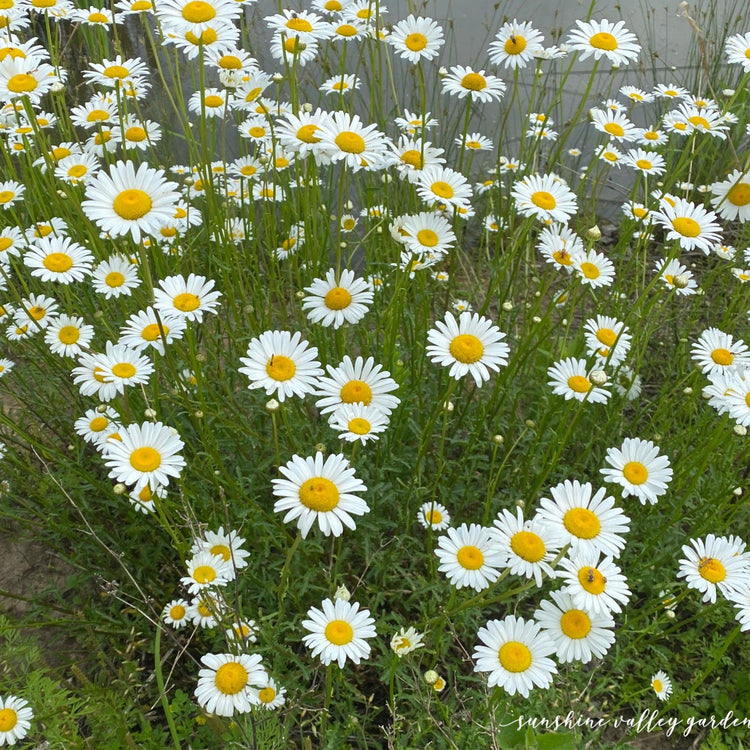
<point x="225" y="684"/>
<point x="269" y="695"/>
<point x="439" y="184"/>
<point x="595" y="584"/>
<point x="115" y="276"/>
<point x="345" y="138"/>
<point x="713" y="564"/>
<point x="332" y="302"/>
<point x="204" y="570"/>
<point x="514" y="44"/>
<point x="607" y="338"/>
<point x="123" y="366"/>
<point x="358" y="422"/>
<point x="317" y="490"/>
<point x="175" y="613"/>
<point x="661" y="685"/>
<point x="15" y="719"/>
<point x="462" y="81"/>
<point x="546" y="197"/>
<point x="604" y="39"/>
<point x="676" y="276"/>
<point x="470" y="556"/>
<point x="731" y="197"/>
<point x="570" y="378"/>
<point x="68" y="335"/>
<point x="433" y="516"/>
<point x="143" y="330"/>
<point x="95" y="426"/>
<point x="356" y="382"/>
<point x="227" y="545"/>
<point x="716" y="351"/>
<point x="406" y="641"/>
<point x="188" y="298"/>
<point x="515" y="653"/>
<point x="737" y="50"/>
<point x="415" y="39"/>
<point x="639" y="469"/>
<point x="595" y="269"/>
<point x="339" y="632"/>
<point x="472" y="345"/>
<point x="691" y="225"/>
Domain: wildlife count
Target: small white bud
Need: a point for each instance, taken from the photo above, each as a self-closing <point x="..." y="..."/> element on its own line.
<point x="149" y="413"/>
<point x="737" y="491"/>
<point x="687" y="391"/>
<point x="507" y="306"/>
<point x="740" y="430"/>
<point x="119" y="489"/>
<point x="681" y="281"/>
<point x="448" y="406"/>
<point x="499" y="439"/>
<point x="198" y="414"/>
<point x="594" y="233"/>
<point x="272" y="405"/>
<point x="342" y="593"/>
<point x="307" y="107"/>
<point x="598" y="377"/>
<point x="431" y="677"/>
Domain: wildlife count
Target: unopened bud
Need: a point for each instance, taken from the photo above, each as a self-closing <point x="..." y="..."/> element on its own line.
<point x="594" y="233"/>
<point x="149" y="413"/>
<point x="119" y="489"/>
<point x="507" y="306"/>
<point x="448" y="406"/>
<point x="740" y="429"/>
<point x="321" y="448"/>
<point x="342" y="593"/>
<point x="680" y="281"/>
<point x="272" y="405"/>
<point x="431" y="677"/>
<point x="499" y="439"/>
<point x="598" y="377"/>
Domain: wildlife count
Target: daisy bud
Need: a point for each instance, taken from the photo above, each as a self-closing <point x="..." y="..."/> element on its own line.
<point x="278" y="77"/>
<point x="349" y="205"/>
<point x="321" y="448"/>
<point x="342" y="593"/>
<point x="307" y="107"/>
<point x="431" y="677"/>
<point x="149" y="413"/>
<point x="737" y="491"/>
<point x="740" y="430"/>
<point x="670" y="614"/>
<point x="102" y="408"/>
<point x="594" y="233"/>
<point x="272" y="405"/>
<point x="300" y="294"/>
<point x="688" y="391"/>
<point x="507" y="306"/>
<point x="681" y="281"/>
<point x="386" y="178"/>
<point x="598" y="377"/>
<point x="119" y="489"/>
<point x="342" y="245"/>
<point x="530" y="423"/>
<point x="378" y="230"/>
<point x="536" y="319"/>
<point x="499" y="439"/>
<point x="442" y="71"/>
<point x="448" y="406"/>
<point x="200" y="357"/>
<point x="198" y="414"/>
<point x="728" y="92"/>
<point x="57" y="88"/>
<point x="99" y="314"/>
<point x="71" y="447"/>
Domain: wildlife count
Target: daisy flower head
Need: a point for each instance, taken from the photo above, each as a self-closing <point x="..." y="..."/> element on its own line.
<point x="578" y="634"/>
<point x="146" y="454"/>
<point x="529" y="546"/>
<point x="411" y="155"/>
<point x="570" y="378"/>
<point x="123" y="366"/>
<point x="205" y="570"/>
<point x="470" y="556"/>
<point x="25" y="76"/>
<point x="127" y="201"/>
<point x="515" y="653"/>
<point x="416" y="39"/>
<point x="713" y="564"/>
<point x="345" y="138"/>
<point x="439" y="184"/>
<point x="77" y="169"/>
<point x="636" y="95"/>
<point x="339" y="632"/>
<point x="737" y="50"/>
<point x="470" y="345"/>
<point x="281" y="363"/>
<point x="691" y="225"/>
<point x="615" y="124"/>
<point x="731" y="197"/>
<point x="433" y="516"/>
<point x="604" y="39"/>
<point x="332" y="302"/>
<point x="588" y="523"/>
<point x="661" y="685"/>
<point x="225" y="683"/>
<point x="594" y="269"/>
<point x="358" y="422"/>
<point x="560" y="245"/>
<point x="356" y="382"/>
<point x="227" y="545"/>
<point x="608" y="339"/>
<point x="514" y="44"/>
<point x="462" y="81"/>
<point x="676" y="276"/>
<point x="143" y="330"/>
<point x="10" y="192"/>
<point x="68" y="335"/>
<point x="15" y="719"/>
<point x="206" y="610"/>
<point x="546" y="197"/>
<point x="175" y="613"/>
<point x="406" y="641"/>
<point x="428" y="232"/>
<point x="268" y="695"/>
<point x="639" y="469"/>
<point x="58" y="259"/>
<point x="316" y="490"/>
<point x="115" y="276"/>
<point x="303" y="25"/>
<point x="716" y="351"/>
<point x="186" y="298"/>
<point x="95" y="425"/>
<point x="117" y="72"/>
<point x="595" y="585"/>
<point x="144" y="501"/>
<point x="646" y="162"/>
<point x="197" y="17"/>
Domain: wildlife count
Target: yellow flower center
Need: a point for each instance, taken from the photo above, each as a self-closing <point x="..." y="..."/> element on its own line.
<point x="266" y="695"/>
<point x="711" y="569"/>
<point x="280" y="367"/>
<point x="177" y="612"/>
<point x="591" y="580"/>
<point x="351" y="143"/>
<point x="699" y="122"/>
<point x="116" y="71"/>
<point x="644" y="164"/>
<point x="21" y="83"/>
<point x="346" y="29"/>
<point x="427" y="237"/>
<point x="5" y="242"/>
<point x="614" y="128"/>
<point x="544" y="200"/>
<point x="639" y="212"/>
<point x="356" y="392"/>
<point x="528" y="546"/>
<point x="68" y="335"/>
<point x="232" y="677"/>
<point x="307" y="134"/>
<point x="359" y="426"/>
<point x="739" y="195"/>
<point x="433" y="516"/>
<point x="651" y="135"/>
<point x="442" y="189"/>
<point x="6" y="196"/>
<point x="299" y="24"/>
<point x="590" y="270"/>
<point x="515" y="44"/>
<point x="141" y="5"/>
<point x="603" y="40"/>
<point x="78" y="170"/>
<point x="257" y="131"/>
<point x="58" y="262"/>
<point x="186" y="302"/>
<point x="98" y="115"/>
<point x="221" y="550"/>
<point x="514" y="656"/>
<point x="114" y="279"/>
<point x="132" y="204"/>
<point x="152" y="331"/>
<point x="416" y="41"/>
<point x="338" y="298"/>
<point x="607" y="336"/>
<point x="579" y="384"/>
<point x="42" y="230"/>
<point x="581" y="522"/>
<point x="59" y="153"/>
<point x="197" y="11"/>
<point x="204" y="574"/>
<point x="293" y="45"/>
<point x="635" y="472"/>
<point x="135" y="133"/>
<point x="8" y="719"/>
<point x="208" y="36"/>
<point x="98" y="18"/>
<point x="470" y="557"/>
<point x="230" y="62"/>
<point x="98" y="424"/>
<point x="563" y="257"/>
<point x="339" y="632"/>
<point x="466" y="348"/>
<point x="319" y="494"/>
<point x="145" y="459"/>
<point x="37" y="312"/>
<point x="333" y="5"/>
<point x="123" y="370"/>
<point x="657" y="685"/>
<point x="686" y="226"/>
<point x="474" y="82"/>
<point x="575" y="624"/>
<point x="722" y="356"/>
<point x="213" y="100"/>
